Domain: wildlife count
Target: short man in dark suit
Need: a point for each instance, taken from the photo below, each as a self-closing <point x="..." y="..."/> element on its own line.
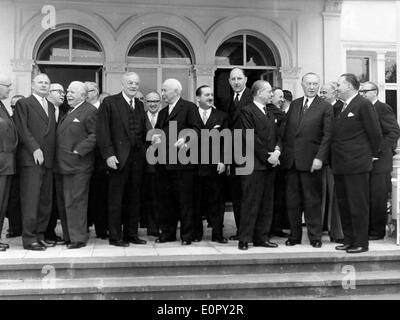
<point x="14" y="207"/>
<point x="330" y="208"/>
<point x="36" y="125"/>
<point x="8" y="141"/>
<point x="258" y="186"/>
<point x="208" y="196"/>
<point x="150" y="209"/>
<point x="232" y="106"/>
<point x="56" y="97"/>
<point x="306" y="140"/>
<point x="121" y="131"/>
<point x="380" y="184"/>
<point x="356" y="140"/>
<point x="76" y="141"/>
<point x="176" y="178"/>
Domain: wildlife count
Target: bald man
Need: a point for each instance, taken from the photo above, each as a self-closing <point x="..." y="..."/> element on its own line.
<point x="36" y="125"/>
<point x="8" y="141"/>
<point x="76" y="141"/>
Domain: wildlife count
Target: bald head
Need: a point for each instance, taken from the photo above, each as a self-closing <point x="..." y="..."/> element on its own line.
<point x="5" y="86"/>
<point x="237" y="80"/>
<point x="76" y="93"/>
<point x="171" y="90"/>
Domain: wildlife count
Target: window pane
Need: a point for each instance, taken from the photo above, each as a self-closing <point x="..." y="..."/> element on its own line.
<point x="391" y="99"/>
<point x="258" y="53"/>
<point x="390" y="70"/>
<point x="85" y="48"/>
<point x="230" y="52"/>
<point x="55" y="47"/>
<point x="359" y="66"/>
<point x="148" y="79"/>
<point x="173" y="50"/>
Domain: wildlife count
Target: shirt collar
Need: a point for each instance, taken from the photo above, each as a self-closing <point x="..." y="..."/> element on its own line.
<point x="97" y="104"/>
<point x="310" y="100"/>
<point x="240" y="94"/>
<point x="208" y="111"/>
<point x="127" y="99"/>
<point x="79" y="104"/>
<point x="333" y="102"/>
<point x="375" y="101"/>
<point x="39" y="98"/>
<point x="260" y="106"/>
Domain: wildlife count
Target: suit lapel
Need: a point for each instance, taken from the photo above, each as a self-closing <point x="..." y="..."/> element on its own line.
<point x="211" y="121"/>
<point x="349" y="107"/>
<point x="69" y="118"/>
<point x="260" y="115"/>
<point x="306" y="115"/>
<point x="176" y="110"/>
<point x="122" y="109"/>
<point x="38" y="108"/>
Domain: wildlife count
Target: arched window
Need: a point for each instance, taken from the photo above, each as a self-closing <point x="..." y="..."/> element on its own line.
<point x="68" y="54"/>
<point x="254" y="53"/>
<point x="159" y="55"/>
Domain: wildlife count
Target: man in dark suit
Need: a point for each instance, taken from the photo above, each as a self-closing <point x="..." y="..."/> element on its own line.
<point x="121" y="131"/>
<point x="330" y="208"/>
<point x="56" y="97"/>
<point x="258" y="186"/>
<point x="76" y="140"/>
<point x="176" y="178"/>
<point x="355" y="142"/>
<point x="232" y="106"/>
<point x="306" y="140"/>
<point x="150" y="210"/>
<point x="208" y="197"/>
<point x="8" y="141"/>
<point x="380" y="184"/>
<point x="36" y="125"/>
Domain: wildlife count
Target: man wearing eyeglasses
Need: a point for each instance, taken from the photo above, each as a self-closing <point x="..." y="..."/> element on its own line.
<point x="8" y="141"/>
<point x="381" y="169"/>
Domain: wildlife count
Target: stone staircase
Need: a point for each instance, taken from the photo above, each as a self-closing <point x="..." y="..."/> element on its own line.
<point x="305" y="275"/>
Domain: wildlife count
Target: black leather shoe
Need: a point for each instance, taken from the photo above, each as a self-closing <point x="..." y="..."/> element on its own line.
<point x="4" y="245"/>
<point x="316" y="244"/>
<point x="163" y="240"/>
<point x="47" y="244"/>
<point x="357" y="249"/>
<point x="235" y="237"/>
<point x="196" y="239"/>
<point x="119" y="243"/>
<point x="13" y="234"/>
<point x="219" y="239"/>
<point x="135" y="240"/>
<point x="290" y="242"/>
<point x="186" y="243"/>
<point x="265" y="244"/>
<point x="35" y="247"/>
<point x="342" y="247"/>
<point x="374" y="238"/>
<point x="280" y="233"/>
<point x="243" y="245"/>
<point x="76" y="245"/>
<point x="3" y="248"/>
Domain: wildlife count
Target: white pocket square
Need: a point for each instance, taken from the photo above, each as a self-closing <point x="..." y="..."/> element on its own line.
<point x="350" y="114"/>
<point x="76" y="120"/>
<point x="276" y="120"/>
<point x="216" y="126"/>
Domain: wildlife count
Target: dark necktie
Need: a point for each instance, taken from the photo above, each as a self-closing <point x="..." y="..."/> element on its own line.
<point x="266" y="112"/>
<point x="305" y="107"/>
<point x="131" y="104"/>
<point x="236" y="101"/>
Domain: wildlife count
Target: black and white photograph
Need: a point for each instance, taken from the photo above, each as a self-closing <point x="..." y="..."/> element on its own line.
<point x="199" y="154"/>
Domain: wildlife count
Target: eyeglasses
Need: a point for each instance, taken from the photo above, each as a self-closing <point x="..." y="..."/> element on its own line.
<point x="59" y="91"/>
<point x="152" y="101"/>
<point x="6" y="85"/>
<point x="91" y="90"/>
<point x="364" y="91"/>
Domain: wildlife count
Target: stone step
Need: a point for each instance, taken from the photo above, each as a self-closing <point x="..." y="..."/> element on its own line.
<point x="197" y="265"/>
<point x="324" y="285"/>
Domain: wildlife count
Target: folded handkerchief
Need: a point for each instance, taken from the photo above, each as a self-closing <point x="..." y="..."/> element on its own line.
<point x="76" y="120"/>
<point x="350" y="114"/>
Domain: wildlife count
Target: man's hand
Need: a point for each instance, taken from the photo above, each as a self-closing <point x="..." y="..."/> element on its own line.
<point x="274" y="158"/>
<point x="180" y="143"/>
<point x="112" y="162"/>
<point x="220" y="168"/>
<point x="38" y="157"/>
<point x="374" y="159"/>
<point x="316" y="165"/>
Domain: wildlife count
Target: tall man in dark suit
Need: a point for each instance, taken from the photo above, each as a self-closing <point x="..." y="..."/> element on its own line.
<point x="151" y="207"/>
<point x="76" y="140"/>
<point x="232" y="106"/>
<point x="258" y="187"/>
<point x="306" y="140"/>
<point x="176" y="178"/>
<point x="355" y="142"/>
<point x="380" y="184"/>
<point x="208" y="195"/>
<point x="36" y="125"/>
<point x="121" y="131"/>
<point x="8" y="141"/>
<point x="330" y="208"/>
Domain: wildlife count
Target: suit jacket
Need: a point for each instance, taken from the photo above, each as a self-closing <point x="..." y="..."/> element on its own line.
<point x="356" y="138"/>
<point x="217" y="120"/>
<point x="180" y="114"/>
<point x="337" y="108"/>
<point x="233" y="111"/>
<point x="113" y="136"/>
<point x="309" y="138"/>
<point x="36" y="130"/>
<point x="265" y="133"/>
<point x="76" y="131"/>
<point x="8" y="142"/>
<point x="151" y="168"/>
<point x="390" y="134"/>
